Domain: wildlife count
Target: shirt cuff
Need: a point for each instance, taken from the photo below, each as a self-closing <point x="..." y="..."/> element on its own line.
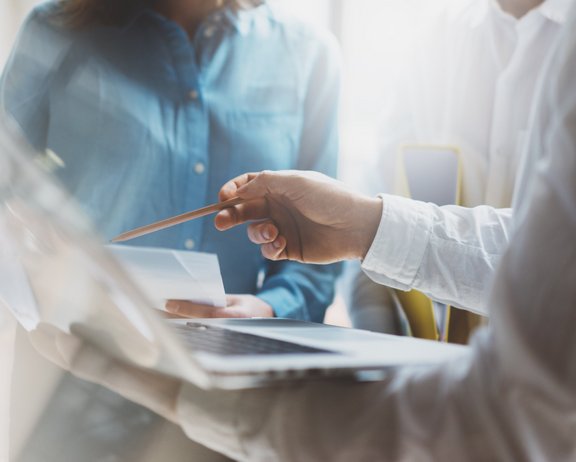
<point x="283" y="303"/>
<point x="398" y="248"/>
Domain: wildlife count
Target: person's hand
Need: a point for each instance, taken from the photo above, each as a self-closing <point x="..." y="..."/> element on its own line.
<point x="302" y="216"/>
<point x="237" y="306"/>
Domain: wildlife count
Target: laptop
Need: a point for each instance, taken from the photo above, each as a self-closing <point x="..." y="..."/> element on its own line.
<point x="79" y="288"/>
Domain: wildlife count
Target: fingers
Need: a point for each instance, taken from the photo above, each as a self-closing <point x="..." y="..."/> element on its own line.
<point x="275" y="250"/>
<point x="253" y="210"/>
<point x="186" y="309"/>
<point x="256" y="187"/>
<point x="273" y="246"/>
<point x="262" y="233"/>
<point x="265" y="192"/>
<point x="230" y="189"/>
<point x="234" y="309"/>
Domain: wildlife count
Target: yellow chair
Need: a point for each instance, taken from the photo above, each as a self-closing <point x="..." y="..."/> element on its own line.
<point x="419" y="312"/>
<point x="432" y="174"/>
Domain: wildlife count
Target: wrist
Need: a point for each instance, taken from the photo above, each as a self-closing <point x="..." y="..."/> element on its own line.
<point x="367" y="216"/>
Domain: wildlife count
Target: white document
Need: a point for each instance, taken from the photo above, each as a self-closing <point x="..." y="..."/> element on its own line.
<point x="166" y="274"/>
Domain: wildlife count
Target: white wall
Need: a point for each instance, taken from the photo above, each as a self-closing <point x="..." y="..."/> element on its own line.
<point x="375" y="37"/>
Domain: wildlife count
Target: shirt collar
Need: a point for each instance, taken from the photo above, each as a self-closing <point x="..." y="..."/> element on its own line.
<point x="554" y="10"/>
<point x="242" y="20"/>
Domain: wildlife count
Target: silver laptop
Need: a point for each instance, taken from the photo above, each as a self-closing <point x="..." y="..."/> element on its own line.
<point x="79" y="288"/>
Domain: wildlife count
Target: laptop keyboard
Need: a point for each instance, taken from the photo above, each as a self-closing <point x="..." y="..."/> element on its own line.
<point x="219" y="341"/>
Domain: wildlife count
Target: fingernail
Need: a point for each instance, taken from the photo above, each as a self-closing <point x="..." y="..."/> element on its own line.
<point x="266" y="233"/>
<point x="173" y="307"/>
<point x="277" y="244"/>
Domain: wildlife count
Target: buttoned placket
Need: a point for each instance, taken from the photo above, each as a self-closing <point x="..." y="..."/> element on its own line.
<point x="193" y="143"/>
<point x="196" y="112"/>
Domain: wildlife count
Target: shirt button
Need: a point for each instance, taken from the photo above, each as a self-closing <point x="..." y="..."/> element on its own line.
<point x="193" y="95"/>
<point x="199" y="168"/>
<point x="209" y="32"/>
<point x="189" y="244"/>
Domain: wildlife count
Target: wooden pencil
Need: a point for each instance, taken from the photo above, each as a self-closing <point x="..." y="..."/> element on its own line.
<point x="176" y="220"/>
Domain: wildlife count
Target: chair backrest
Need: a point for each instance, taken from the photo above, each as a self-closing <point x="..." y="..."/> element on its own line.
<point x="431" y="174"/>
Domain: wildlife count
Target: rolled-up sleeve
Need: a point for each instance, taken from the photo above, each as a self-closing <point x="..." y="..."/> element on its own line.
<point x="450" y="253"/>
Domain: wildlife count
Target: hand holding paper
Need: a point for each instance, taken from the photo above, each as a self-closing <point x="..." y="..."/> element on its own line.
<point x="237" y="306"/>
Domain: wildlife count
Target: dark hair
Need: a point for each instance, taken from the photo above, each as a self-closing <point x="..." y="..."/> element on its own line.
<point x="109" y="12"/>
<point x="116" y="12"/>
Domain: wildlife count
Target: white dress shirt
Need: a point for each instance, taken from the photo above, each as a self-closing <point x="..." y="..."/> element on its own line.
<point x="470" y="86"/>
<point x="511" y="398"/>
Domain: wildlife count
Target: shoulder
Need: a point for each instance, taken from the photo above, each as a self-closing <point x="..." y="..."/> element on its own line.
<point x="38" y="53"/>
<point x="47" y="15"/>
<point x="43" y="31"/>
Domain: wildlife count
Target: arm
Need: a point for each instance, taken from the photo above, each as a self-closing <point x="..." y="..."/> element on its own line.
<point x="450" y="253"/>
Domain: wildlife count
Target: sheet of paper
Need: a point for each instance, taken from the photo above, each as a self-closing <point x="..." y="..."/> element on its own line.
<point x="165" y="274"/>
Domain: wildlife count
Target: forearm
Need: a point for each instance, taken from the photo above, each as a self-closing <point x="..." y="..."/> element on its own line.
<point x="450" y="253"/>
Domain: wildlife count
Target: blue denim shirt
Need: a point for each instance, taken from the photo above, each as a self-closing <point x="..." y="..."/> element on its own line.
<point x="150" y="123"/>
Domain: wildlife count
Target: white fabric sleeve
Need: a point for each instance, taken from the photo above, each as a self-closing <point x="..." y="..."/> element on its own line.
<point x="449" y="253"/>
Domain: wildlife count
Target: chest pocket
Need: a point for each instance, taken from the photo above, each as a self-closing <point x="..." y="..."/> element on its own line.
<point x="264" y="129"/>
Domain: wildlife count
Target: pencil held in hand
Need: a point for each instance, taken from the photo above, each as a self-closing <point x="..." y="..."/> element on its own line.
<point x="168" y="222"/>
